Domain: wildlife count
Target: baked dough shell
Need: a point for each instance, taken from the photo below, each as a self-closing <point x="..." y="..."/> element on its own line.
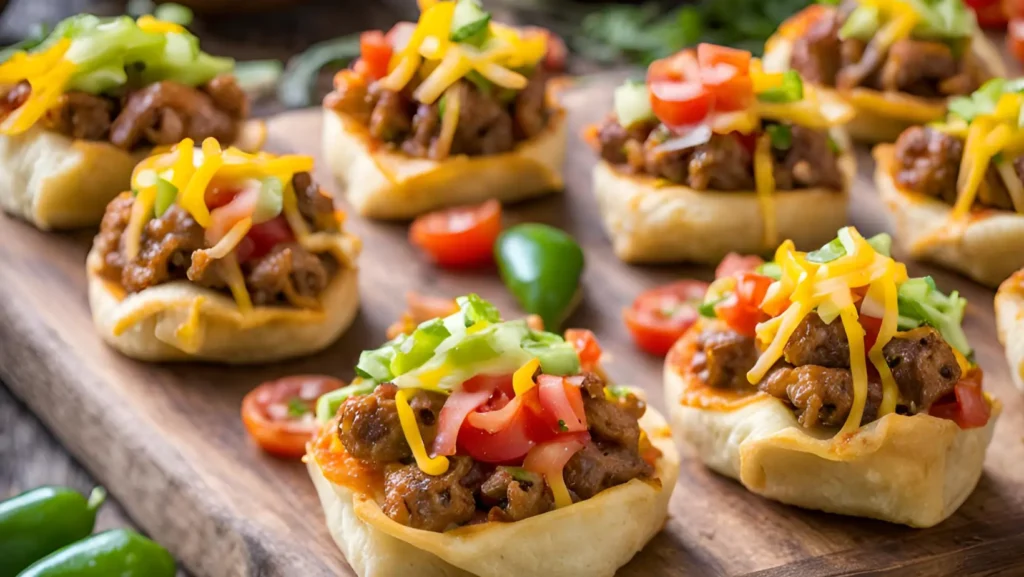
<point x="385" y="184"/>
<point x="1010" y="323"/>
<point x="594" y="537"/>
<point x="914" y="470"/>
<point x="145" y="325"/>
<point x="987" y="248"/>
<point x="648" y="221"/>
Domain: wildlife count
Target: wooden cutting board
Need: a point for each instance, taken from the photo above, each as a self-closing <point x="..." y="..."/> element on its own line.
<point x="168" y="442"/>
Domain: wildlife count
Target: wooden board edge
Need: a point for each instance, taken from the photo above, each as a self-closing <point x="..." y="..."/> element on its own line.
<point x="162" y="484"/>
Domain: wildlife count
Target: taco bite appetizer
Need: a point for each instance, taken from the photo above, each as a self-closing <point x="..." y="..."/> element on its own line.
<point x="474" y="446"/>
<point x="895" y="61"/>
<point x="954" y="188"/>
<point x="84" y="106"/>
<point x="451" y="110"/>
<point x="1009" y="306"/>
<point x="832" y="381"/>
<point x="222" y="255"/>
<point x="713" y="155"/>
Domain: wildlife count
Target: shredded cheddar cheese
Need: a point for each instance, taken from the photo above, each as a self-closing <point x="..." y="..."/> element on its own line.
<point x="142" y="208"/>
<point x="47" y="73"/>
<point x="828" y="289"/>
<point x="522" y="379"/>
<point x="505" y="50"/>
<point x="429" y="465"/>
<point x="558" y="490"/>
<point x="764" y="181"/>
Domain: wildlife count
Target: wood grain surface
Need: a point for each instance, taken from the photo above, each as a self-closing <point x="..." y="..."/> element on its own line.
<point x="166" y="439"/>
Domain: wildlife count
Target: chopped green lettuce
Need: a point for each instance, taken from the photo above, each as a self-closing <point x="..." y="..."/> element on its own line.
<point x="920" y="302"/>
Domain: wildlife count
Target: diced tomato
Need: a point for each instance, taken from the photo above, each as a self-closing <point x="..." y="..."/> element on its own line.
<point x="735" y="263"/>
<point x="375" y="53"/>
<point x="990" y="13"/>
<point x="557" y="53"/>
<point x="587" y="347"/>
<point x="709" y="55"/>
<point x="731" y="90"/>
<point x="742" y="310"/>
<point x="562" y="403"/>
<point x="453" y="414"/>
<point x="220" y="193"/>
<point x="967" y="407"/>
<point x="459" y="237"/>
<point x="680" y="103"/>
<point x="550" y="458"/>
<point x="399" y="35"/>
<point x="279" y="414"/>
<point x="797" y="24"/>
<point x="1015" y="38"/>
<point x="263" y="237"/>
<point x="872" y="326"/>
<point x="661" y="315"/>
<point x="682" y="65"/>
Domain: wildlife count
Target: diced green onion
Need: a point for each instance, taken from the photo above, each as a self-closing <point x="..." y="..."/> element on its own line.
<point x="270" y="201"/>
<point x="327" y="405"/>
<point x="166" y="194"/>
<point x="469" y="22"/>
<point x="791" y="89"/>
<point x="176" y="13"/>
<point x="781" y="136"/>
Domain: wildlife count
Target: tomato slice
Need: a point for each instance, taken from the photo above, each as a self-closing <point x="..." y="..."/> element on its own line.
<point x="219" y="193"/>
<point x="453" y="414"/>
<point x="562" y="403"/>
<point x="508" y="445"/>
<point x="661" y="315"/>
<point x="1015" y="38"/>
<point x="872" y="326"/>
<point x="263" y="237"/>
<point x="279" y="415"/>
<point x="586" y="345"/>
<point x="375" y="53"/>
<point x="735" y="263"/>
<point x="967" y="407"/>
<point x="709" y="55"/>
<point x="990" y="13"/>
<point x="742" y="310"/>
<point x="459" y="237"/>
<point x="681" y="103"/>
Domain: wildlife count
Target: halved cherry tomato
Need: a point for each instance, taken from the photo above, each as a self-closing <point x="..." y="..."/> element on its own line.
<point x="967" y="407"/>
<point x="709" y="55"/>
<point x="453" y="414"/>
<point x="990" y="13"/>
<point x="375" y="53"/>
<point x="1015" y="38"/>
<point x="263" y="237"/>
<point x="742" y="310"/>
<point x="279" y="415"/>
<point x="459" y="237"/>
<point x="586" y="345"/>
<point x="680" y="103"/>
<point x="735" y="263"/>
<point x="661" y="315"/>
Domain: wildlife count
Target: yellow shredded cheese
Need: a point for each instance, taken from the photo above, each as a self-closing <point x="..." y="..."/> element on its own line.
<point x="429" y="465"/>
<point x="227" y="244"/>
<point x="47" y="73"/>
<point x="1013" y="184"/>
<point x="558" y="490"/>
<point x="150" y="24"/>
<point x="235" y="280"/>
<point x="764" y="181"/>
<point x="142" y="211"/>
<point x="188" y="333"/>
<point x="522" y="379"/>
<point x="193" y="197"/>
<point x="828" y="289"/>
<point x="506" y="49"/>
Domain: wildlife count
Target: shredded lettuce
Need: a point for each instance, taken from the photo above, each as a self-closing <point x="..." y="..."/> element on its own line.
<point x="921" y="302"/>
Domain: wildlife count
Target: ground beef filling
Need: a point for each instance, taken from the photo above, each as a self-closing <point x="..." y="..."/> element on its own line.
<point x="814" y="376"/>
<point x="492" y="120"/>
<point x="171" y="250"/>
<point x="928" y="162"/>
<point x="724" y="163"/>
<point x="472" y="491"/>
<point x="918" y="67"/>
<point x="161" y="113"/>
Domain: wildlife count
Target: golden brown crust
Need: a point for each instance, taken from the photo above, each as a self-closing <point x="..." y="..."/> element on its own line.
<point x="651" y="222"/>
<point x="385" y="184"/>
<point x="987" y="249"/>
<point x="915" y="470"/>
<point x="1009" y="305"/>
<point x="614" y="524"/>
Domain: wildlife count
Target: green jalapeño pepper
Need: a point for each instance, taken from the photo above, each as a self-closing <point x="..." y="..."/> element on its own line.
<point x="120" y="552"/>
<point x="38" y="522"/>
<point x="541" y="266"/>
